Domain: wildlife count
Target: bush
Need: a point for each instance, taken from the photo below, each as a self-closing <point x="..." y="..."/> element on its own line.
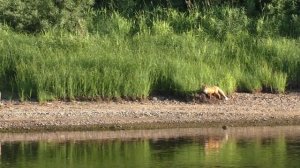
<point x="38" y="15"/>
<point x="282" y="17"/>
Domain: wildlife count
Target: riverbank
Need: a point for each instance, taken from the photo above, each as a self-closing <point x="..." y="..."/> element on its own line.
<point x="154" y="134"/>
<point x="241" y="110"/>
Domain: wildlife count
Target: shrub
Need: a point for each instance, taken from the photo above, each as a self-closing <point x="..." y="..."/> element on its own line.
<point x="38" y="15"/>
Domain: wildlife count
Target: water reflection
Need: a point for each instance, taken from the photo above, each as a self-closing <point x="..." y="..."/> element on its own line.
<point x="214" y="144"/>
<point x="211" y="147"/>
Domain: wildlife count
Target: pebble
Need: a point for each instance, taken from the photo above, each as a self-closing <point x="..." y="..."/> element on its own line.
<point x="154" y="98"/>
<point x="224" y="127"/>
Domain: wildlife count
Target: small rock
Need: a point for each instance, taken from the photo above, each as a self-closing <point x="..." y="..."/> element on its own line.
<point x="154" y="98"/>
<point x="224" y="127"/>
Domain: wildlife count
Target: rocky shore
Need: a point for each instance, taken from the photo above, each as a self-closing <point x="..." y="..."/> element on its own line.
<point x="241" y="109"/>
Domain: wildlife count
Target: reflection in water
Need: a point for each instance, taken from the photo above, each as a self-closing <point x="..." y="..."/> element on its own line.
<point x="214" y="144"/>
<point x="237" y="147"/>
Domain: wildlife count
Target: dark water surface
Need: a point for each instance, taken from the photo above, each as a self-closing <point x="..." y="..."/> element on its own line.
<point x="197" y="147"/>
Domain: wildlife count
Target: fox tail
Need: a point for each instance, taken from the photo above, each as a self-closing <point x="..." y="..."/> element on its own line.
<point x="223" y="94"/>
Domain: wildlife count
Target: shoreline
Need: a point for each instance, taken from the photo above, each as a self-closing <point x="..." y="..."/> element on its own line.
<point x="127" y="135"/>
<point x="261" y="109"/>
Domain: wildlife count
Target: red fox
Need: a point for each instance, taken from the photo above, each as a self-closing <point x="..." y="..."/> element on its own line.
<point x="214" y="90"/>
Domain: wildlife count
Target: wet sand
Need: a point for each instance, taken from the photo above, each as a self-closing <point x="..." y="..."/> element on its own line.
<point x="241" y="110"/>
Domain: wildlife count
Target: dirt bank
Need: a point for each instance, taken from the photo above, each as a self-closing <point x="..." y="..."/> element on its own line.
<point x="241" y="110"/>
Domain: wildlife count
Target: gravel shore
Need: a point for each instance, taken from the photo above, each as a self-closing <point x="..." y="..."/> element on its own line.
<point x="241" y="110"/>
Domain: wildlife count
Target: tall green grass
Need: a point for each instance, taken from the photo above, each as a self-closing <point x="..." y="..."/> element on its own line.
<point x="165" y="52"/>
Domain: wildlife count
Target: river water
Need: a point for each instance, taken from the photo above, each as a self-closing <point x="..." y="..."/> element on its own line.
<point x="192" y="147"/>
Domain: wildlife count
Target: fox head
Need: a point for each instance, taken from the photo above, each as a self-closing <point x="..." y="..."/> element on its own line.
<point x="204" y="88"/>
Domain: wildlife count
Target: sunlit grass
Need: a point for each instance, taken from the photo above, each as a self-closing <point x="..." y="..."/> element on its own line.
<point x="132" y="59"/>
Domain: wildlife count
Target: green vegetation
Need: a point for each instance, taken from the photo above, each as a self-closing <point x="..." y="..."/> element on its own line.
<point x="274" y="152"/>
<point x="72" y="50"/>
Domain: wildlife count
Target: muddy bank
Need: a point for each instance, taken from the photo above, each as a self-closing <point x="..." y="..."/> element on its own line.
<point x="241" y="110"/>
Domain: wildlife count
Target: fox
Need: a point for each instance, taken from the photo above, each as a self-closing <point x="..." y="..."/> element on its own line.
<point x="214" y="90"/>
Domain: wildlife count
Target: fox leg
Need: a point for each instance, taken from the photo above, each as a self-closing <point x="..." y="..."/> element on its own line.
<point x="218" y="95"/>
<point x="209" y="96"/>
